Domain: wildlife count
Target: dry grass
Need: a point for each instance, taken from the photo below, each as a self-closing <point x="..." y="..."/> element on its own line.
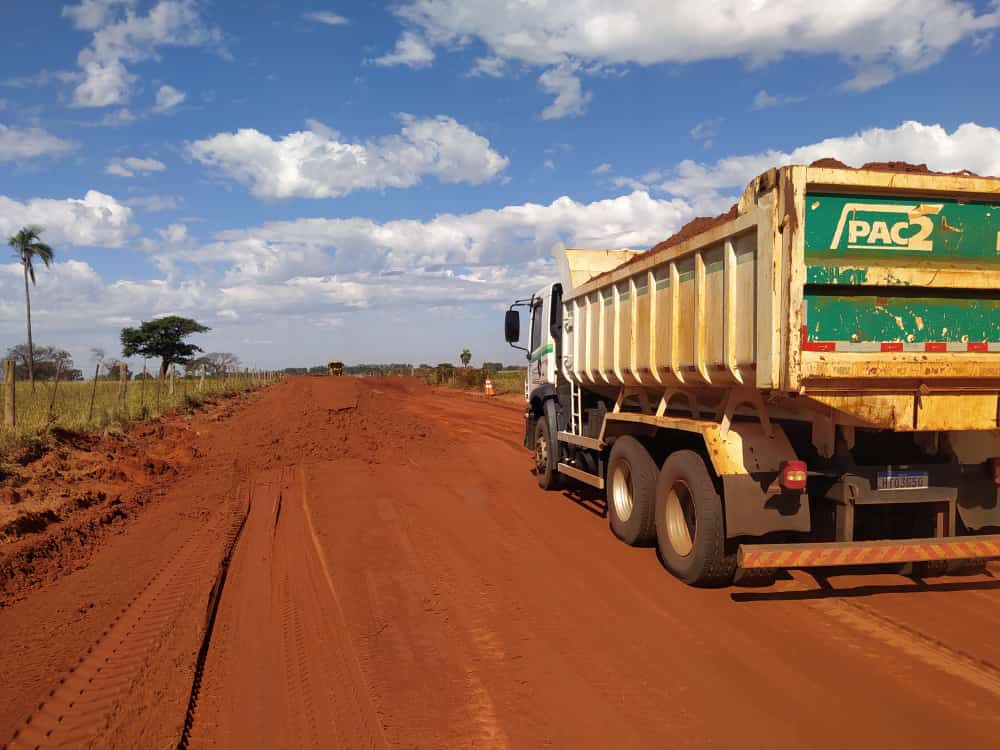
<point x="504" y="382"/>
<point x="68" y="406"/>
<point x="508" y="381"/>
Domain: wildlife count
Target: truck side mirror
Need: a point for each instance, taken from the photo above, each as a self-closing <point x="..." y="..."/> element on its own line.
<point x="512" y="326"/>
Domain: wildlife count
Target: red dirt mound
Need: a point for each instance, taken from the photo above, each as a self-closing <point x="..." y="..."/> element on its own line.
<point x="904" y="167"/>
<point x="696" y="226"/>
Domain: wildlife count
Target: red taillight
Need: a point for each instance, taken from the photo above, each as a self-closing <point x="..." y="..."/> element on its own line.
<point x="995" y="465"/>
<point x="794" y="475"/>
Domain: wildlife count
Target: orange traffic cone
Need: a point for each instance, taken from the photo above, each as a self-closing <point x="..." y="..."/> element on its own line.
<point x="488" y="387"/>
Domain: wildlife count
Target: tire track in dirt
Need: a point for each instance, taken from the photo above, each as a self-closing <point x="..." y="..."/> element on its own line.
<point x="81" y="706"/>
<point x="282" y="671"/>
<point x="913" y="643"/>
<point x="485" y="730"/>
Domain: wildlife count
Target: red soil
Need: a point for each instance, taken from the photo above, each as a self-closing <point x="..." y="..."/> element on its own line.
<point x="701" y="224"/>
<point x="399" y="580"/>
<point x="696" y="226"/>
<point x="57" y="505"/>
<point x="889" y="166"/>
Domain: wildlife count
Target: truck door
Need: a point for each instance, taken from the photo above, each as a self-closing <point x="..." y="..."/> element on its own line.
<point x="536" y="355"/>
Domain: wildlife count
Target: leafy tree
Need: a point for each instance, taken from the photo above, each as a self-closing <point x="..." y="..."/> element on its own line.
<point x="27" y="246"/>
<point x="466" y="357"/>
<point x="46" y="361"/>
<point x="163" y="338"/>
<point x="493" y="366"/>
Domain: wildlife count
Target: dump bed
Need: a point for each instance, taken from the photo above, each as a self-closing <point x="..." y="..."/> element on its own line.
<point x="871" y="295"/>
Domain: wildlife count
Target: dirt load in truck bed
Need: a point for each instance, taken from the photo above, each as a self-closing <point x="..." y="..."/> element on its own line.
<point x="701" y="224"/>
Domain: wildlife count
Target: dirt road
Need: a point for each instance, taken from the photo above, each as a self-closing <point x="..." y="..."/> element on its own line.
<point x="370" y="564"/>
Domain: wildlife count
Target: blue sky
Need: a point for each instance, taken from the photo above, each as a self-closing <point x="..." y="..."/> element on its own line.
<point x="373" y="181"/>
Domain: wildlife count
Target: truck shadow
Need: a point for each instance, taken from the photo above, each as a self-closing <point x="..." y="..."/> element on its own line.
<point x="588" y="498"/>
<point x="824" y="589"/>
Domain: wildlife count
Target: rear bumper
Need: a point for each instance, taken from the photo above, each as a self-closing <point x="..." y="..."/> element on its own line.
<point x="823" y="554"/>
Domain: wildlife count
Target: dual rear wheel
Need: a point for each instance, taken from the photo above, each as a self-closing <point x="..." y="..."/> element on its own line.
<point x="676" y="506"/>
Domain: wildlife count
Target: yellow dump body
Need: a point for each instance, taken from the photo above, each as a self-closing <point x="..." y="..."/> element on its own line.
<point x="863" y="298"/>
<point x="335" y="367"/>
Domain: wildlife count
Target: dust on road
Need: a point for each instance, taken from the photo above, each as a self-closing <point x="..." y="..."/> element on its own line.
<point x="397" y="579"/>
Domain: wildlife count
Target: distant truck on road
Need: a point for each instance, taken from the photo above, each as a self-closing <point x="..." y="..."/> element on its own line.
<point x="812" y="380"/>
<point x="335" y="367"/>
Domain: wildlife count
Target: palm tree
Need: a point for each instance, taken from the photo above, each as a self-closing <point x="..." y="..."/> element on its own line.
<point x="466" y="357"/>
<point x="27" y="245"/>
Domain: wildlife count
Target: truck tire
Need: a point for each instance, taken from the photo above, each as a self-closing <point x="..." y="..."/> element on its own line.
<point x="690" y="526"/>
<point x="547" y="449"/>
<point x="631" y="492"/>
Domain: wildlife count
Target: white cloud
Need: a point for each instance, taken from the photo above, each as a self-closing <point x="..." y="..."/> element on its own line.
<point x="117" y="118"/>
<point x="17" y="144"/>
<point x="571" y="99"/>
<point x="154" y="203"/>
<point x="601" y="168"/>
<point x="120" y="35"/>
<point x="877" y="40"/>
<point x="764" y="100"/>
<point x="706" y="131"/>
<point x="489" y="238"/>
<point x="493" y="66"/>
<point x="167" y="97"/>
<point x="869" y="77"/>
<point x="91" y="15"/>
<point x="96" y="219"/>
<point x="713" y="186"/>
<point x="327" y="17"/>
<point x="410" y="50"/>
<point x="132" y="165"/>
<point x="317" y="164"/>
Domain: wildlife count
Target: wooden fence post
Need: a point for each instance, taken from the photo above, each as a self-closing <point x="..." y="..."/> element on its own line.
<point x="9" y="412"/>
<point x="142" y="388"/>
<point x="122" y="386"/>
<point x="173" y="370"/>
<point x="55" y="389"/>
<point x="201" y="381"/>
<point x="93" y="393"/>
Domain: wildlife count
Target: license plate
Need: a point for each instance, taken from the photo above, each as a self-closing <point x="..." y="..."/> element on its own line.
<point x="902" y="480"/>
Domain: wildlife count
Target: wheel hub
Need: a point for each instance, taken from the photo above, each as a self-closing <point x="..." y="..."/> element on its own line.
<point x="681" y="522"/>
<point x="541" y="454"/>
<point x="621" y="490"/>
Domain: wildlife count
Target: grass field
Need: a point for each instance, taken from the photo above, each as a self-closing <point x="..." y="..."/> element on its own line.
<point x="508" y="381"/>
<point x="504" y="381"/>
<point x="79" y="406"/>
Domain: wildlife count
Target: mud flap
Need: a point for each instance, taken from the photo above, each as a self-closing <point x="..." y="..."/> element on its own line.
<point x="748" y="460"/>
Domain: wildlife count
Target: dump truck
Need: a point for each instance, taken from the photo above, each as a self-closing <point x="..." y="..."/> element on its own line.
<point x="335" y="367"/>
<point x="812" y="380"/>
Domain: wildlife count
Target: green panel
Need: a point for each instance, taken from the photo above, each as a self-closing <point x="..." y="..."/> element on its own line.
<point x="541" y="352"/>
<point x="842" y="228"/>
<point x="855" y="319"/>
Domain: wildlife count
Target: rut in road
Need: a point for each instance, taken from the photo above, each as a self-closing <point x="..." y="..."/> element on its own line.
<point x="281" y="671"/>
<point x="98" y="691"/>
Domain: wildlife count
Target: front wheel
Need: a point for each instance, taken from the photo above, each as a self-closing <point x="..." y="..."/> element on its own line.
<point x="547" y="450"/>
<point x="690" y="524"/>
